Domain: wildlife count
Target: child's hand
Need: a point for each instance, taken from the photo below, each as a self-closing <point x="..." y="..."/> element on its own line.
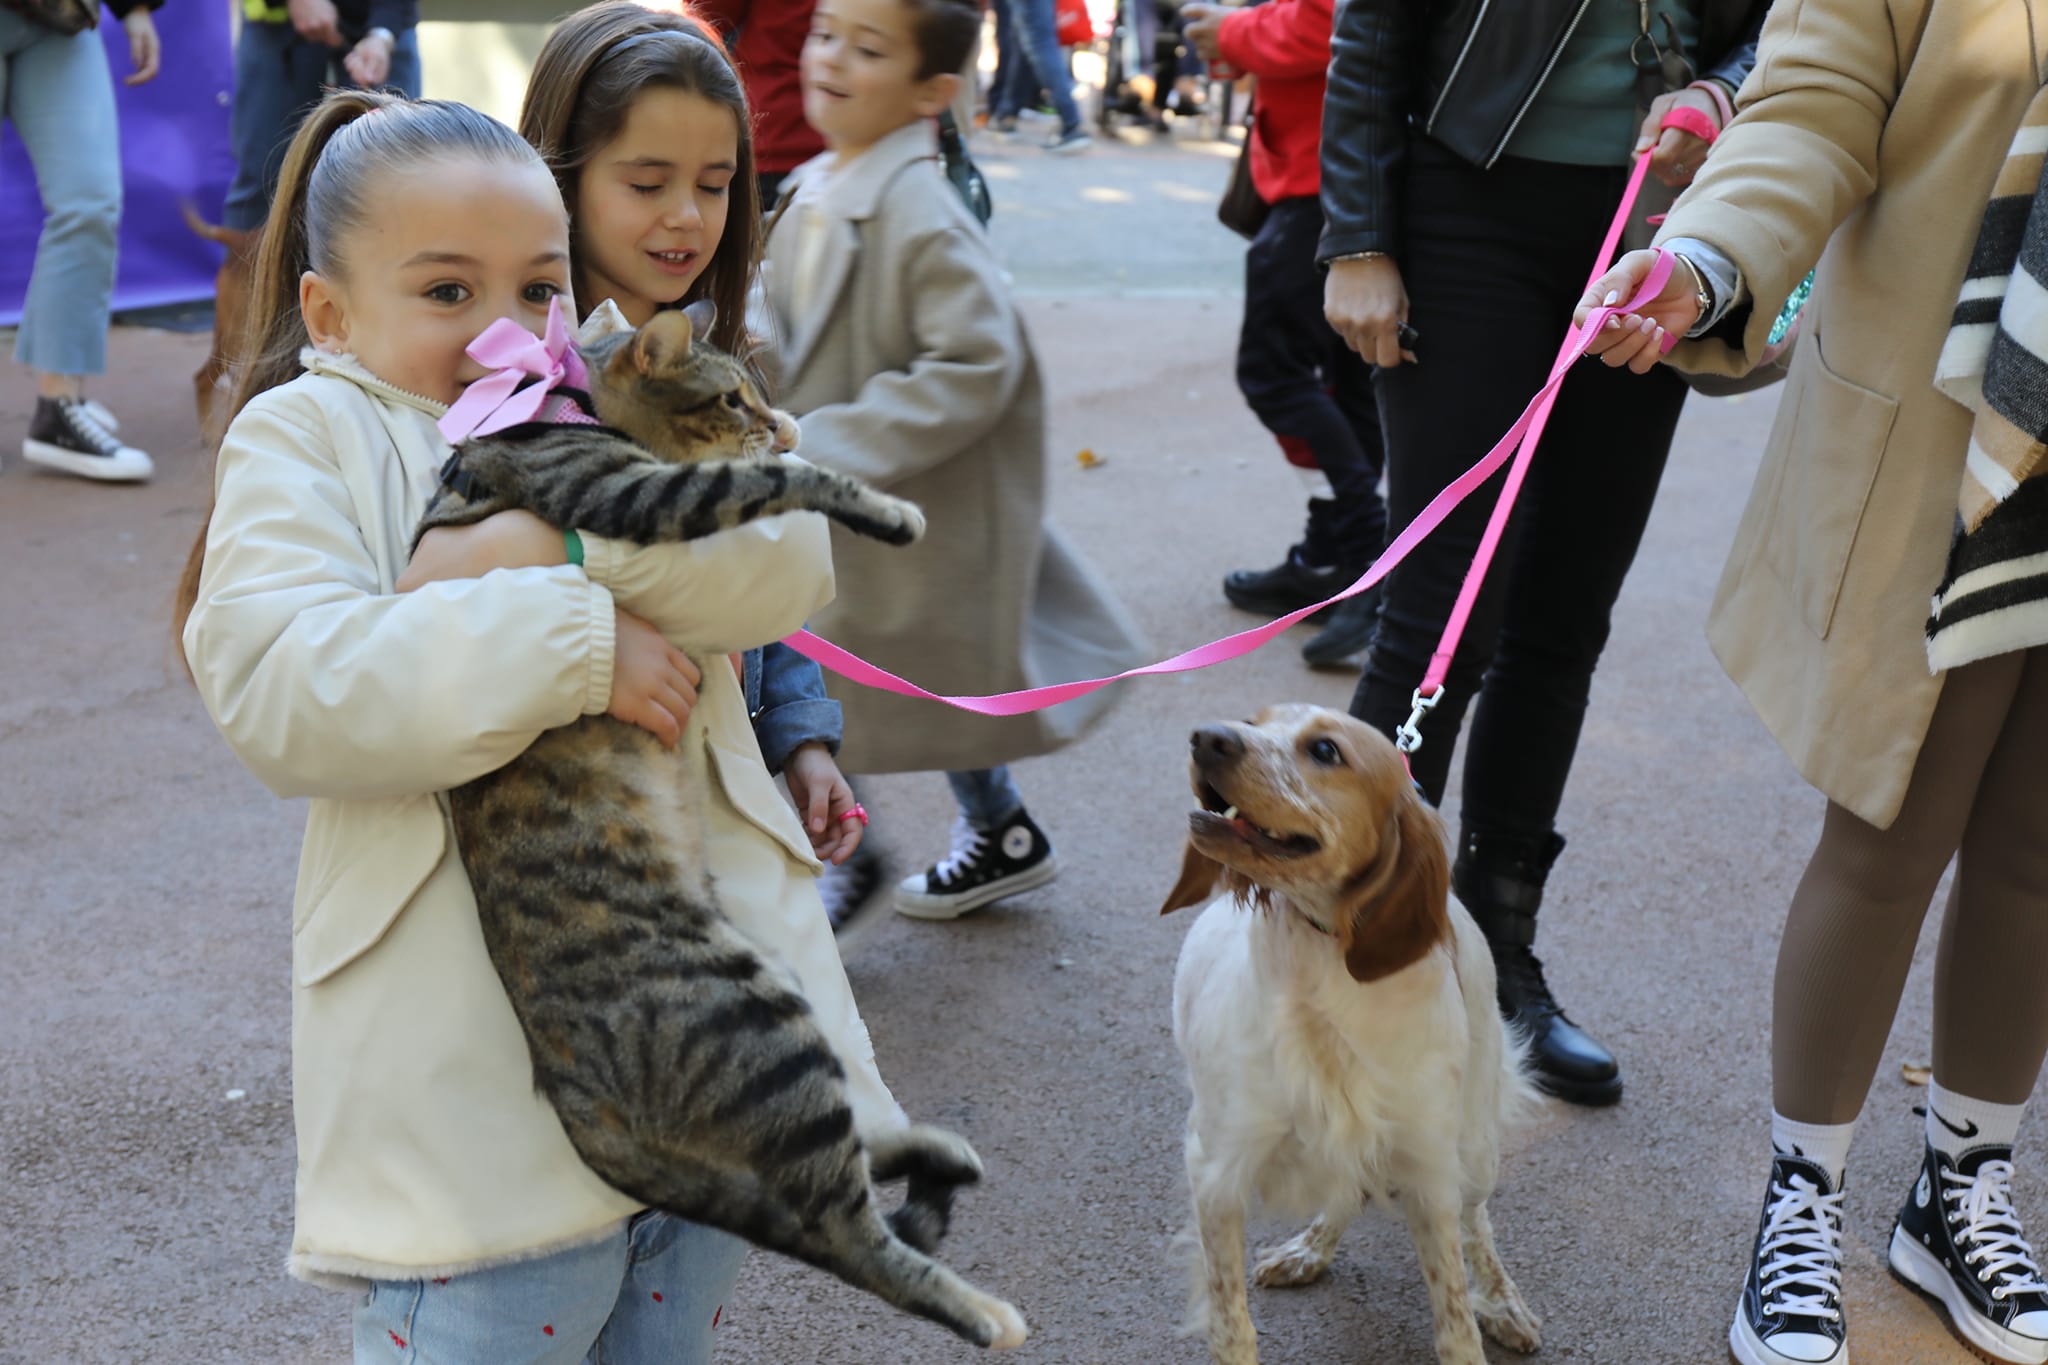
<point x="503" y="540"/>
<point x="654" y="684"/>
<point x="822" y="797"/>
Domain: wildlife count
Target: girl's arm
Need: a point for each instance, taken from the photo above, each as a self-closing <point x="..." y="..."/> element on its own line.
<point x="795" y="709"/>
<point x="970" y="359"/>
<point x="323" y="684"/>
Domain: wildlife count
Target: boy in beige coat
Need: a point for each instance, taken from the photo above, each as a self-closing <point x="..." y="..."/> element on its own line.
<point x="905" y="358"/>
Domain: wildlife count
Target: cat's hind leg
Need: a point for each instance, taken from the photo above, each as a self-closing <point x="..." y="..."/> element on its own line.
<point x="937" y="1163"/>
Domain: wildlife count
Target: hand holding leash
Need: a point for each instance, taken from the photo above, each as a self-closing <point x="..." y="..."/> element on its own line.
<point x="1640" y="339"/>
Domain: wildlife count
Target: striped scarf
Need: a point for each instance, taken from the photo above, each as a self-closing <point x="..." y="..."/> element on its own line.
<point x="1994" y="597"/>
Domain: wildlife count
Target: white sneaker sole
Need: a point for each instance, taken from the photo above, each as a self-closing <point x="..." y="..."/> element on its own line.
<point x="1748" y="1348"/>
<point x="131" y="467"/>
<point x="919" y="906"/>
<point x="1916" y="1265"/>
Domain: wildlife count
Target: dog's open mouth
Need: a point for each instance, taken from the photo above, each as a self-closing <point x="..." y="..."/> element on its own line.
<point x="1219" y="816"/>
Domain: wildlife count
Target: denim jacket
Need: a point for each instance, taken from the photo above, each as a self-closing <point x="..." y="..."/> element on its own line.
<point x="786" y="701"/>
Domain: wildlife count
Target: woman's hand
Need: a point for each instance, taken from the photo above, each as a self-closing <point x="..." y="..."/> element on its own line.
<point x="1637" y="339"/>
<point x="1366" y="303"/>
<point x="145" y="49"/>
<point x="823" y="799"/>
<point x="654" y="684"/>
<point x="503" y="540"/>
<point x="1679" y="153"/>
<point x="369" y="61"/>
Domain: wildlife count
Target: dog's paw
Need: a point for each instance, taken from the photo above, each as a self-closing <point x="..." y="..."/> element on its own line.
<point x="1512" y="1325"/>
<point x="1294" y="1262"/>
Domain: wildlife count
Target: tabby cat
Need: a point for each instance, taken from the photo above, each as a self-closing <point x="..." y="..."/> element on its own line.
<point x="687" y="1069"/>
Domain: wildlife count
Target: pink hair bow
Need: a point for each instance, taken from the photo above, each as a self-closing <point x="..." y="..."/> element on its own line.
<point x="526" y="370"/>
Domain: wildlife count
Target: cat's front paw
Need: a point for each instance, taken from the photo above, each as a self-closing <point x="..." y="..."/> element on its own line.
<point x="909" y="527"/>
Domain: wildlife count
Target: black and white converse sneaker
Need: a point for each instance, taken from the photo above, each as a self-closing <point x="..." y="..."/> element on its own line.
<point x="1958" y="1240"/>
<point x="848" y="891"/>
<point x="1791" y="1309"/>
<point x="984" y="866"/>
<point x="67" y="434"/>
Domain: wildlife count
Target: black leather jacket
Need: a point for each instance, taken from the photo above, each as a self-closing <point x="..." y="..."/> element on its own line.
<point x="1461" y="72"/>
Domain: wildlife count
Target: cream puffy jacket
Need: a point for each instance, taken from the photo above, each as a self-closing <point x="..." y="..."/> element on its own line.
<point x="423" y="1148"/>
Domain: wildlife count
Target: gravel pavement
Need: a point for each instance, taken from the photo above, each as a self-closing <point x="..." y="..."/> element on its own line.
<point x="145" y="1135"/>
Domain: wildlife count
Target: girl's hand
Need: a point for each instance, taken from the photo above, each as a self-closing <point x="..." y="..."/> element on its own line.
<point x="823" y="797"/>
<point x="1679" y="153"/>
<point x="145" y="49"/>
<point x="1365" y="302"/>
<point x="654" y="684"/>
<point x="1637" y="340"/>
<point x="503" y="540"/>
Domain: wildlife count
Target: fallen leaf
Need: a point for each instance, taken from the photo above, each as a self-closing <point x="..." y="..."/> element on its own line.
<point x="1916" y="1073"/>
<point x="1088" y="459"/>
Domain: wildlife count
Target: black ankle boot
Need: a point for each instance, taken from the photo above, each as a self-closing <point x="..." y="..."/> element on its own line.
<point x="1499" y="878"/>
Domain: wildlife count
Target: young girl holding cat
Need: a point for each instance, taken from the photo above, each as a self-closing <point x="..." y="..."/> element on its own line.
<point x="431" y="1177"/>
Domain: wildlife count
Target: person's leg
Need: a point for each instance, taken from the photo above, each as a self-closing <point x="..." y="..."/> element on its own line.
<point x="60" y="98"/>
<point x="545" y="1311"/>
<point x="679" y="1278"/>
<point x="277" y="79"/>
<point x="405" y="76"/>
<point x="1842" y="963"/>
<point x="998" y="851"/>
<point x="1278" y="373"/>
<point x="1480" y="272"/>
<point x="1359" y="512"/>
<point x="1036" y="26"/>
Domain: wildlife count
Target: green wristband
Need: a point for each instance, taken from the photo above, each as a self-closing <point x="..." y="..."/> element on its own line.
<point x="574" y="544"/>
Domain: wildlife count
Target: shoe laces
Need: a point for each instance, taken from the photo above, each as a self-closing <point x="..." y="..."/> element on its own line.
<point x="843" y="886"/>
<point x="1799" y="1264"/>
<point x="1996" y="1245"/>
<point x="83" y="424"/>
<point x="1517" y="965"/>
<point x="969" y="843"/>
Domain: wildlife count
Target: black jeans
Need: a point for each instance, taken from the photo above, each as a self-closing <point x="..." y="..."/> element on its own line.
<point x="1305" y="384"/>
<point x="1494" y="262"/>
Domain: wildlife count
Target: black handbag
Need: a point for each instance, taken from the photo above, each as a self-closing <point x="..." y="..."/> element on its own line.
<point x="1241" y="210"/>
<point x="64" y="16"/>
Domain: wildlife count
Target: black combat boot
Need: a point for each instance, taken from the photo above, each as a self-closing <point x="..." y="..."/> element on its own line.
<point x="1500" y="879"/>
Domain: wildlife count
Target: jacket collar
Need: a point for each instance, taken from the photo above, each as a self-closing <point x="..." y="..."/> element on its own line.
<point x="858" y="185"/>
<point x="349" y="368"/>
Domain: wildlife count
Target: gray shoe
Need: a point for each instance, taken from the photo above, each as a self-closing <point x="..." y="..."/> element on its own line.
<point x="1068" y="143"/>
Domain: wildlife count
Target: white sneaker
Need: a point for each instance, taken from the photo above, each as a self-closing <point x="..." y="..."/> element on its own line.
<point x="66" y="436"/>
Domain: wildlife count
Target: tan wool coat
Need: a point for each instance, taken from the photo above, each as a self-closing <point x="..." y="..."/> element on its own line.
<point x="911" y="369"/>
<point x="423" y="1148"/>
<point x="1868" y="139"/>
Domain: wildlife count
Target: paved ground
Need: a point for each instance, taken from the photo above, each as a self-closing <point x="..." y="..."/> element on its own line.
<point x="145" y="1138"/>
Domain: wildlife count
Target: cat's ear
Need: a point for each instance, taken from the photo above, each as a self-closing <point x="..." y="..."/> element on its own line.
<point x="663" y="342"/>
<point x="703" y="315"/>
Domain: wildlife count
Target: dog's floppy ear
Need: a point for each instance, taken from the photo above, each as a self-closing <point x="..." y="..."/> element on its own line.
<point x="1400" y="912"/>
<point x="1199" y="876"/>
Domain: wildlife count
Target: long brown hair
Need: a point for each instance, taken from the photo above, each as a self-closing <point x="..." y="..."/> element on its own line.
<point x="350" y="138"/>
<point x="585" y="81"/>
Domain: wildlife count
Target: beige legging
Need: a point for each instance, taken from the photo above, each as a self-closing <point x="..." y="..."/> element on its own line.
<point x="1980" y="788"/>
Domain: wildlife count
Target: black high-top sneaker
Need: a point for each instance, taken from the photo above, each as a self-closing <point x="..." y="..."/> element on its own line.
<point x="68" y="434"/>
<point x="1958" y="1240"/>
<point x="1499" y="878"/>
<point x="984" y="867"/>
<point x="1791" y="1308"/>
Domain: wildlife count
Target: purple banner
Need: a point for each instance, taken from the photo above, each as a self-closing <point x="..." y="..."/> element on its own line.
<point x="174" y="149"/>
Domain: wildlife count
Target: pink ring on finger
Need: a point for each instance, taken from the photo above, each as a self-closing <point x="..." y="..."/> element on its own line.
<point x="858" y="812"/>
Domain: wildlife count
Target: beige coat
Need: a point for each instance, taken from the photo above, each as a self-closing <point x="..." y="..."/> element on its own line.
<point x="1873" y="129"/>
<point x="911" y="369"/>
<point x="423" y="1149"/>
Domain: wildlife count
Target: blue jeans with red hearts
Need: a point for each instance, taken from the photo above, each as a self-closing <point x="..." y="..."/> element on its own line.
<point x="654" y="1290"/>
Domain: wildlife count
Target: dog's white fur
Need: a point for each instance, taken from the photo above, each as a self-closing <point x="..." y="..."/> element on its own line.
<point x="1314" y="1090"/>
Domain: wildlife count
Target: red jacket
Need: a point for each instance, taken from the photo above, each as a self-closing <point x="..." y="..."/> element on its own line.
<point x="1286" y="44"/>
<point x="766" y="39"/>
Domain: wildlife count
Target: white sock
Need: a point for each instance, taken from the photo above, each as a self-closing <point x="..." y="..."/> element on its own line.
<point x="1826" y="1145"/>
<point x="1957" y="1123"/>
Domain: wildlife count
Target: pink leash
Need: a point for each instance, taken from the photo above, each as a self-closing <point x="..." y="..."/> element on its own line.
<point x="1520" y="442"/>
<point x="859" y="670"/>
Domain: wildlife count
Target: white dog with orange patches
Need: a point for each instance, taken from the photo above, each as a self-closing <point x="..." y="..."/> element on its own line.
<point x="1336" y="1011"/>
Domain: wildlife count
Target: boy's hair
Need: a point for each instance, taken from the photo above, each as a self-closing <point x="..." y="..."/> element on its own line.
<point x="349" y="139"/>
<point x="589" y="72"/>
<point x="945" y="31"/>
